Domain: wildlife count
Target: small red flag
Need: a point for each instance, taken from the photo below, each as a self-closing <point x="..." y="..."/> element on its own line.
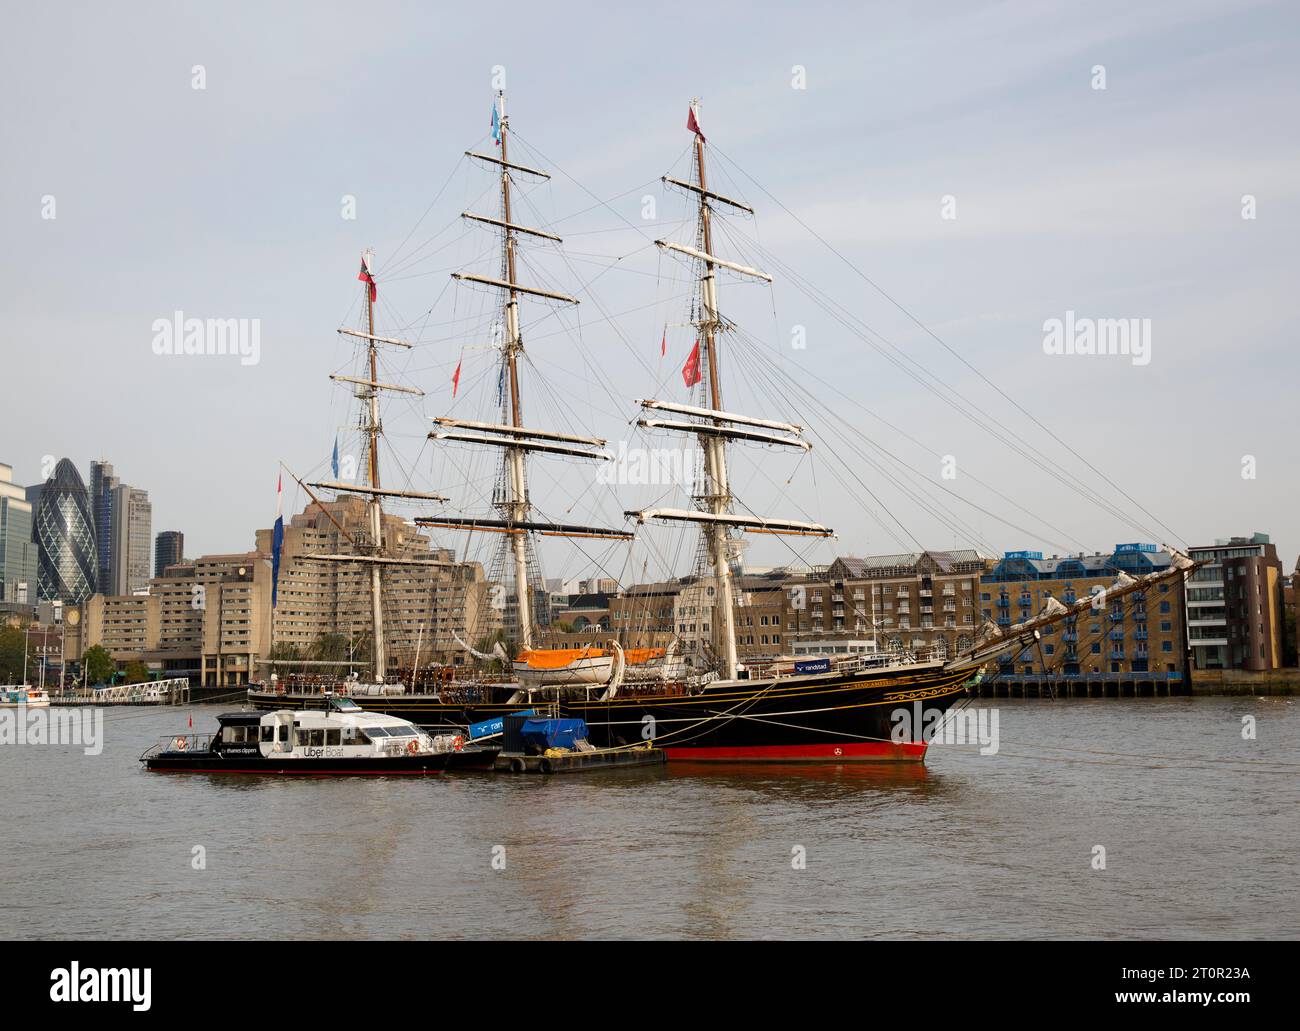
<point x="365" y="276"/>
<point x="692" y="124"/>
<point x="191" y="721"/>
<point x="691" y="370"/>
<point x="663" y="344"/>
<point x="455" y="380"/>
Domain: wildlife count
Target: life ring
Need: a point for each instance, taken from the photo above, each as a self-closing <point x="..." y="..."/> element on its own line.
<point x="180" y="744"/>
<point x="413" y="746"/>
<point x="457" y="743"/>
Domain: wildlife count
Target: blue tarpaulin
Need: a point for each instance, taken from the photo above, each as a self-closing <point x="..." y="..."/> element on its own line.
<point x="554" y="733"/>
<point x="494" y="726"/>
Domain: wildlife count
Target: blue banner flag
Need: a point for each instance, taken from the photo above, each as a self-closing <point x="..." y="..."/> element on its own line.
<point x="277" y="540"/>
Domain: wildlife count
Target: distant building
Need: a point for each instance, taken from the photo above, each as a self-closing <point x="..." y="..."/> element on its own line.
<point x="132" y="539"/>
<point x="1141" y="633"/>
<point x="65" y="540"/>
<point x="102" y="485"/>
<point x="1234" y="605"/>
<point x="643" y="615"/>
<point x="915" y="602"/>
<point x="426" y="607"/>
<point x="17" y="544"/>
<point x="168" y="550"/>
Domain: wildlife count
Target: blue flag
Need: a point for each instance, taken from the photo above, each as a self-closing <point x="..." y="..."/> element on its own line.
<point x="334" y="463"/>
<point x="496" y="125"/>
<point x="277" y="540"/>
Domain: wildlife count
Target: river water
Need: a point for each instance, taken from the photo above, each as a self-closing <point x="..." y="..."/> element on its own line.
<point x="1200" y="830"/>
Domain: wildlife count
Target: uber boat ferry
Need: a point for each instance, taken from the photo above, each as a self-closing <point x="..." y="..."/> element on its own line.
<point x="344" y="739"/>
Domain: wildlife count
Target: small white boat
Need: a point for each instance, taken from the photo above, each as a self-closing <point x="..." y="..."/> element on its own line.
<point x="15" y="697"/>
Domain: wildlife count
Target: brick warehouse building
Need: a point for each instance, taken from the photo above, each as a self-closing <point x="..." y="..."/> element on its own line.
<point x="1137" y="643"/>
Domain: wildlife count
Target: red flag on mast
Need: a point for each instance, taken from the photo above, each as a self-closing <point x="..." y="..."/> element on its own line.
<point x="366" y="277"/>
<point x="692" y="124"/>
<point x="691" y="370"/>
<point x="455" y="380"/>
<point x="663" y="344"/>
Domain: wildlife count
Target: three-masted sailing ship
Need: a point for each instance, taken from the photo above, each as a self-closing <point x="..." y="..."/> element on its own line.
<point x="835" y="709"/>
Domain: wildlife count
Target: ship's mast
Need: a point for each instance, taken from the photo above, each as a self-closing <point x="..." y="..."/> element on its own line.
<point x="516" y="440"/>
<point x="714" y="426"/>
<point x="715" y="453"/>
<point x="517" y="502"/>
<point x="376" y="506"/>
<point x="371" y="552"/>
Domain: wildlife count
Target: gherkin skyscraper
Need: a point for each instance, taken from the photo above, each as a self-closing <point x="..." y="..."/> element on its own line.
<point x="65" y="538"/>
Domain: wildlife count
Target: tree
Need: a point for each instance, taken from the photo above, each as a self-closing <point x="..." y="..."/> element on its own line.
<point x="136" y="672"/>
<point x="11" y="655"/>
<point x="98" y="665"/>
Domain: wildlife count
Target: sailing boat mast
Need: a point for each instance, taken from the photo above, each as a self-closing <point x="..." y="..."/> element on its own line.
<point x="715" y="453"/>
<point x="372" y="552"/>
<point x="517" y="503"/>
<point x="716" y="426"/>
<point x="515" y="440"/>
<point x="376" y="505"/>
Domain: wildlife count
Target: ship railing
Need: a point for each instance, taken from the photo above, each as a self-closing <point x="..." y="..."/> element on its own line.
<point x="180" y="743"/>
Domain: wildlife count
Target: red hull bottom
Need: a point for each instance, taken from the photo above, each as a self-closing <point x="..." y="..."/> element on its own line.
<point x="854" y="752"/>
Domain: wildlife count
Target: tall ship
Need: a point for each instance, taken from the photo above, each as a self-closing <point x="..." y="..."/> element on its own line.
<point x="782" y="708"/>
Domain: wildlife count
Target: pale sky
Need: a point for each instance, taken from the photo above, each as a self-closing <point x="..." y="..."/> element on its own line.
<point x="227" y="201"/>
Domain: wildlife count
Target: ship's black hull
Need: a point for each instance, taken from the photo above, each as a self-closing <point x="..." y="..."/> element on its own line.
<point x="802" y="718"/>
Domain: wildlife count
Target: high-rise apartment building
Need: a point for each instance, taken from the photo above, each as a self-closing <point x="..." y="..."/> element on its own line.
<point x="132" y="540"/>
<point x="168" y="550"/>
<point x="102" y="485"/>
<point x="1234" y="605"/>
<point x="17" y="543"/>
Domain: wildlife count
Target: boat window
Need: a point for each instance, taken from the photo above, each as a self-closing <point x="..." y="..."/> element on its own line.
<point x="400" y="731"/>
<point x="233" y="735"/>
<point x="355" y="736"/>
<point x="376" y="731"/>
<point x="333" y="737"/>
<point x="316" y="737"/>
<point x="268" y="734"/>
<point x="282" y="733"/>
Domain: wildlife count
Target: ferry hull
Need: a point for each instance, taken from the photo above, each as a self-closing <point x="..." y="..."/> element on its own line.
<point x="834" y="718"/>
<point x="213" y="762"/>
